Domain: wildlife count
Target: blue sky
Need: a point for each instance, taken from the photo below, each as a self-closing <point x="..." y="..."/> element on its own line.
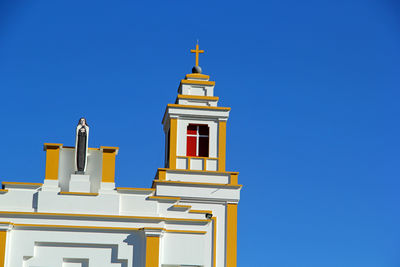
<point x="314" y="91"/>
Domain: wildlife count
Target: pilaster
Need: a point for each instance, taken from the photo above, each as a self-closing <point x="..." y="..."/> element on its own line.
<point x="152" y="236"/>
<point x="231" y="235"/>
<point x="51" y="182"/>
<point x="52" y="160"/>
<point x="5" y="227"/>
<point x="221" y="145"/>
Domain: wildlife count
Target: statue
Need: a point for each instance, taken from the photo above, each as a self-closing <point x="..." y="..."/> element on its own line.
<point x="81" y="146"/>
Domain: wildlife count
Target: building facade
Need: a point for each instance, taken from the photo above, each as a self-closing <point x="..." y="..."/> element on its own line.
<point x="188" y="217"/>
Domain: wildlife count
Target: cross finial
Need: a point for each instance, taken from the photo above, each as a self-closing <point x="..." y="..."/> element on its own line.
<point x="197" y="51"/>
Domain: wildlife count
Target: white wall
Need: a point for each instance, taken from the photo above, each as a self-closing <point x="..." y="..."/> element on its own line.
<point x="182" y="131"/>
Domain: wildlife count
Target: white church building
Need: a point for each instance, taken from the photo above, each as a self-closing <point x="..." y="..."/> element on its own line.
<point x="79" y="217"/>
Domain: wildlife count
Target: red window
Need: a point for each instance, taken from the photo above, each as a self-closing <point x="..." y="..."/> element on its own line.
<point x="197" y="140"/>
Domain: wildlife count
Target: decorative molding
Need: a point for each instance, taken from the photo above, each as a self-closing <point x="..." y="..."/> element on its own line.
<point x="98" y="217"/>
<point x="78" y="193"/>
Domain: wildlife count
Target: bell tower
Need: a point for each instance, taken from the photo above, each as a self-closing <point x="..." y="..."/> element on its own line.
<point x="195" y="155"/>
<point x="194" y="126"/>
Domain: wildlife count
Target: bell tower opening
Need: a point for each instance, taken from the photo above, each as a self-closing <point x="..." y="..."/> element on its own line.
<point x="197" y="140"/>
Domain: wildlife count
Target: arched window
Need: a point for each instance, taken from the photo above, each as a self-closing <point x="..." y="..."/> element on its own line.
<point x="197" y="141"/>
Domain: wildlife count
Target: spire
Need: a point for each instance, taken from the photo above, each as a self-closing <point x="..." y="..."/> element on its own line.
<point x="197" y="51"/>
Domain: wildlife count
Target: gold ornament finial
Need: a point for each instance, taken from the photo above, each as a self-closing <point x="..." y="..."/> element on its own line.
<point x="197" y="51"/>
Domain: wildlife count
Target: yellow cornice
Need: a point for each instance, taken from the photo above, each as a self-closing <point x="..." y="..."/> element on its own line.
<point x="198" y="183"/>
<point x="51" y="146"/>
<point x="186" y="231"/>
<point x="79" y="227"/>
<point x="212" y="98"/>
<point x="198" y="107"/>
<point x="98" y="216"/>
<point x="165" y="117"/>
<point x="109" y="149"/>
<point x="199" y="171"/>
<point x="152" y="228"/>
<point x="197" y="75"/>
<point x="74" y="227"/>
<point x="78" y="193"/>
<point x="164" y="198"/>
<point x="199" y="82"/>
<point x="104" y="148"/>
<point x="182" y="206"/>
<point x="135" y="189"/>
<point x="22" y="183"/>
<point x="201" y="211"/>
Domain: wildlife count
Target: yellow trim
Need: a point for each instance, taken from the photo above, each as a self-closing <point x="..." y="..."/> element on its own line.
<point x="51" y="146"/>
<point x="19" y="213"/>
<point x="52" y="160"/>
<point x="182" y="170"/>
<point x="214" y="219"/>
<point x="197" y="183"/>
<point x="212" y="98"/>
<point x="186" y="232"/>
<point x="110" y="148"/>
<point x="221" y="145"/>
<point x="135" y="189"/>
<point x="108" y="168"/>
<point x="161" y="175"/>
<point x="152" y="228"/>
<point x="200" y="82"/>
<point x="3" y="242"/>
<point x="95" y="148"/>
<point x="2" y="191"/>
<point x="234" y="179"/>
<point x="201" y="211"/>
<point x="182" y="206"/>
<point x="102" y="228"/>
<point x="197" y="107"/>
<point x="75" y="227"/>
<point x="72" y="147"/>
<point x="166" y="198"/>
<point x="21" y="183"/>
<point x="78" y="193"/>
<point x="173" y="136"/>
<point x="195" y="157"/>
<point x="197" y="75"/>
<point x="152" y="251"/>
<point x="231" y="235"/>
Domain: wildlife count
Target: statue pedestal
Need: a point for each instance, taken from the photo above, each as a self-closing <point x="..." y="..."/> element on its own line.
<point x="107" y="188"/>
<point x="50" y="185"/>
<point x="79" y="183"/>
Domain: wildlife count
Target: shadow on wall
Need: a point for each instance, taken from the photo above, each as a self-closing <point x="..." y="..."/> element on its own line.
<point x="137" y="240"/>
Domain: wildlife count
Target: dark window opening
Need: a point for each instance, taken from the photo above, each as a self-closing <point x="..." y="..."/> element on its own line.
<point x="197" y="142"/>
